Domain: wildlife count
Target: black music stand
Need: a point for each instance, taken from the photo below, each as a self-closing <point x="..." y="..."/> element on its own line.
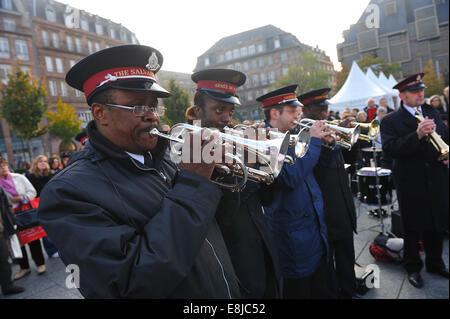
<point x="380" y="212"/>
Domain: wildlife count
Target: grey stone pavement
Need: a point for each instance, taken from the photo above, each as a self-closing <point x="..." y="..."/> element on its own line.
<point x="393" y="281"/>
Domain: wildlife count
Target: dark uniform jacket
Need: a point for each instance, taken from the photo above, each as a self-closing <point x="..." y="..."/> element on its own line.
<point x="249" y="240"/>
<point x="420" y="179"/>
<point x="338" y="205"/>
<point x="137" y="232"/>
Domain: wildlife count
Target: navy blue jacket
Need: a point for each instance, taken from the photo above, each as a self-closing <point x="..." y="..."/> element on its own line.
<point x="296" y="218"/>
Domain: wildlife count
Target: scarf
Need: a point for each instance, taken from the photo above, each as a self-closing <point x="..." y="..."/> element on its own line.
<point x="8" y="185"/>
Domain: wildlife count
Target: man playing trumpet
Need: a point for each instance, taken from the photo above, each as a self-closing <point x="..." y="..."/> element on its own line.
<point x="420" y="177"/>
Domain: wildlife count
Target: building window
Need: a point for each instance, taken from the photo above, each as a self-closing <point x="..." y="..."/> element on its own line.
<point x="260" y="48"/>
<point x="50" y="14"/>
<point x="69" y="43"/>
<point x="4" y="70"/>
<point x="79" y="46"/>
<point x="123" y="35"/>
<point x="426" y="22"/>
<point x="72" y="63"/>
<point x="55" y="39"/>
<point x="206" y="61"/>
<point x="255" y="80"/>
<point x="261" y="62"/>
<point x="59" y="65"/>
<point x="63" y="89"/>
<point x="272" y="77"/>
<point x="53" y="88"/>
<point x="368" y="40"/>
<point x="237" y="67"/>
<point x="85" y="24"/>
<point x="244" y="51"/>
<point x="390" y="8"/>
<point x="263" y="79"/>
<point x="245" y="66"/>
<point x="6" y="4"/>
<point x="4" y="48"/>
<point x="221" y="57"/>
<point x="285" y="71"/>
<point x="22" y="50"/>
<point x="78" y="93"/>
<point x="269" y="60"/>
<point x="284" y="57"/>
<point x="236" y="54"/>
<point x="99" y="28"/>
<point x="49" y="64"/>
<point x="276" y="43"/>
<point x="97" y="46"/>
<point x="9" y="24"/>
<point x="251" y="50"/>
<point x="253" y="64"/>
<point x="45" y="38"/>
<point x="113" y="33"/>
<point x="90" y="47"/>
<point x="229" y="55"/>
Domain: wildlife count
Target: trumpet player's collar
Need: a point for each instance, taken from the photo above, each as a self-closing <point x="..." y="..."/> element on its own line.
<point x="283" y="96"/>
<point x="220" y="84"/>
<point x="411" y="83"/>
<point x="126" y="67"/>
<point x="315" y="97"/>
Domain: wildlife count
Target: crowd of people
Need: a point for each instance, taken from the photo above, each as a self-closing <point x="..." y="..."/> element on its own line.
<point x="139" y="225"/>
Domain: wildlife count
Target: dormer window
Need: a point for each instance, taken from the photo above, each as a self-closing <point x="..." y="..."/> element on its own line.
<point x="50" y="14"/>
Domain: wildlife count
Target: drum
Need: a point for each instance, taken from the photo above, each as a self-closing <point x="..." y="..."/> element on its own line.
<point x="367" y="185"/>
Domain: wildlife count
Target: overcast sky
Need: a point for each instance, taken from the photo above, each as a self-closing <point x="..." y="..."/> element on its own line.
<point x="184" y="30"/>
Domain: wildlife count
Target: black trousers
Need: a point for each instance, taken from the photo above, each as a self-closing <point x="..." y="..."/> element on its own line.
<point x="36" y="254"/>
<point x="5" y="268"/>
<point x="433" y="244"/>
<point x="311" y="287"/>
<point x="341" y="271"/>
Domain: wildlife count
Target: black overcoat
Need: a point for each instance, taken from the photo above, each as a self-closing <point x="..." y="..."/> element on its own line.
<point x="420" y="179"/>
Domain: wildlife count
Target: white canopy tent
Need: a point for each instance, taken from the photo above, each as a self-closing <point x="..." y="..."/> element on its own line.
<point x="390" y="94"/>
<point x="392" y="80"/>
<point x="355" y="92"/>
<point x="388" y="83"/>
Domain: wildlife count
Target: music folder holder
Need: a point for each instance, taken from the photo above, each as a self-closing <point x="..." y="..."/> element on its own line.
<point x="381" y="224"/>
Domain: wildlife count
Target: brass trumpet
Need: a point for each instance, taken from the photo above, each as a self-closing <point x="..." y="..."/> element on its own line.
<point x="435" y="139"/>
<point x="343" y="136"/>
<point x="299" y="141"/>
<point x="271" y="154"/>
<point x="373" y="128"/>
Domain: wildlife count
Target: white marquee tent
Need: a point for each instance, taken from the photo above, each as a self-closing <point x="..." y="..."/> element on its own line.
<point x="355" y="92"/>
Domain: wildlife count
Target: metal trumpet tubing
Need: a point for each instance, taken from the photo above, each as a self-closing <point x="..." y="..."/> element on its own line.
<point x="436" y="140"/>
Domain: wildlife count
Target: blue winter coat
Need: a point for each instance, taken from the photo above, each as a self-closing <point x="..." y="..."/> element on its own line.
<point x="296" y="218"/>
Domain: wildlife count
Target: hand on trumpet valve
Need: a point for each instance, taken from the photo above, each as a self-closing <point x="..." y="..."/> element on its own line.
<point x="320" y="130"/>
<point x="204" y="169"/>
<point x="425" y="128"/>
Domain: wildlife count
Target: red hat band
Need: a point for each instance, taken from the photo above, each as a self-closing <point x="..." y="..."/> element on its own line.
<point x="116" y="74"/>
<point x="217" y="85"/>
<point x="279" y="99"/>
<point x="314" y="98"/>
<point x="409" y="84"/>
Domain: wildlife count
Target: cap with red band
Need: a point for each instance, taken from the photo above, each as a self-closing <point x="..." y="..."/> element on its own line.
<point x="315" y="97"/>
<point x="126" y="67"/>
<point x="220" y="84"/>
<point x="283" y="96"/>
<point x="411" y="83"/>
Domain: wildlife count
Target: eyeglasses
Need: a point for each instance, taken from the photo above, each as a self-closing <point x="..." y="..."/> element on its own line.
<point x="142" y="110"/>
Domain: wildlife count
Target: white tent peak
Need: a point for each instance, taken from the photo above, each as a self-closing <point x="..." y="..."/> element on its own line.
<point x="356" y="90"/>
<point x="371" y="75"/>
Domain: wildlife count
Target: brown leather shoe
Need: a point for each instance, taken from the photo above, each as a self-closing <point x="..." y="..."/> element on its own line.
<point x="41" y="269"/>
<point x="22" y="273"/>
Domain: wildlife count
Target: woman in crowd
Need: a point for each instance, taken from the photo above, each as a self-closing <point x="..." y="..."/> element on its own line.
<point x="39" y="176"/>
<point x="19" y="190"/>
<point x="437" y="103"/>
<point x="54" y="163"/>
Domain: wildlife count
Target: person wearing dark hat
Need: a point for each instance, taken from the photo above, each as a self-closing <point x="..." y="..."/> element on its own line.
<point x="65" y="156"/>
<point x="340" y="213"/>
<point x="295" y="217"/>
<point x="240" y="214"/>
<point x="421" y="180"/>
<point x="134" y="224"/>
<point x="82" y="137"/>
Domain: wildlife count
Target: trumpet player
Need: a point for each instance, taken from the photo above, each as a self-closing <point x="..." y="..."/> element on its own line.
<point x="340" y="213"/>
<point x="239" y="214"/>
<point x="296" y="217"/>
<point x="134" y="224"/>
<point x="421" y="179"/>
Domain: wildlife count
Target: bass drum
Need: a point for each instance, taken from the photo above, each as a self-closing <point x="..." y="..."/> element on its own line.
<point x="367" y="185"/>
